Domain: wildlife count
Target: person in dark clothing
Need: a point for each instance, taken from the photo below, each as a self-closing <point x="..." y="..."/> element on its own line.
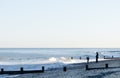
<point x="112" y="56"/>
<point x="97" y="56"/>
<point x="80" y="58"/>
<point x="87" y="59"/>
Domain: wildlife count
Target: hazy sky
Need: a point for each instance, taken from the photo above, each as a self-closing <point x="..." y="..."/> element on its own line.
<point x="59" y="23"/>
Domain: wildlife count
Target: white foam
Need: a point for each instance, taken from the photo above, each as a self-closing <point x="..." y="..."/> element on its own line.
<point x="53" y="59"/>
<point x="64" y="60"/>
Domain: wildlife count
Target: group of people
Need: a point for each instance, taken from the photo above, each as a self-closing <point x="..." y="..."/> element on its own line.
<point x="97" y="56"/>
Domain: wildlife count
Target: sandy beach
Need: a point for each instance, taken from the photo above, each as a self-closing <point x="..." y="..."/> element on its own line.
<point x="78" y="70"/>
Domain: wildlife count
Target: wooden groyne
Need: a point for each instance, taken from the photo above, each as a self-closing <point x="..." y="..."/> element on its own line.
<point x="22" y="71"/>
<point x="87" y="67"/>
<point x="105" y="67"/>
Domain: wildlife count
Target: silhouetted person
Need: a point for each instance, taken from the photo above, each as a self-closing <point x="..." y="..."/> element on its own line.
<point x="80" y="58"/>
<point x="97" y="56"/>
<point x="87" y="59"/>
<point x="112" y="56"/>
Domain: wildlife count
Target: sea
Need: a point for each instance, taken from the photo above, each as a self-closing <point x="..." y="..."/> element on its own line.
<point x="34" y="58"/>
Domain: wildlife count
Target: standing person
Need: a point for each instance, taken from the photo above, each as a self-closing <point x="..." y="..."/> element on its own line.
<point x="97" y="56"/>
<point x="80" y="58"/>
<point x="87" y="59"/>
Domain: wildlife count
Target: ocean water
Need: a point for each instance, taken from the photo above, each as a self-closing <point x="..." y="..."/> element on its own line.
<point x="35" y="58"/>
<point x="48" y="55"/>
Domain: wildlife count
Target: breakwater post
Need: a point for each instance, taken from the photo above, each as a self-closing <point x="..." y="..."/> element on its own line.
<point x="104" y="57"/>
<point x="2" y="70"/>
<point x="87" y="67"/>
<point x="64" y="69"/>
<point x="43" y="68"/>
<point x="71" y="57"/>
<point x="106" y="65"/>
<point x="21" y="70"/>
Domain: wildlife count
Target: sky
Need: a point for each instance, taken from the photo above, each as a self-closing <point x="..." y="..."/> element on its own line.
<point x="59" y="23"/>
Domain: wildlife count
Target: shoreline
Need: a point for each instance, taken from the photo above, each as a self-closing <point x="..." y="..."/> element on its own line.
<point x="79" y="71"/>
